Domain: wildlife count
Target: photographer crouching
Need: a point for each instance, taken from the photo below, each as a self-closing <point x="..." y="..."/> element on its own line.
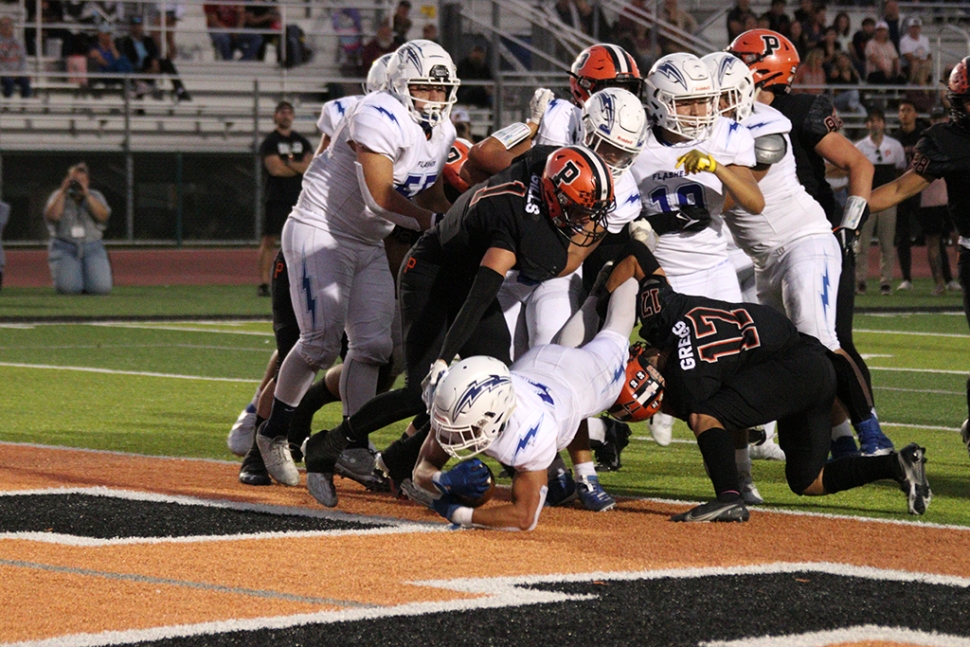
<point x="76" y="217"/>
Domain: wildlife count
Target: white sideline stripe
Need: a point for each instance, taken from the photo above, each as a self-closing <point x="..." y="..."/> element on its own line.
<point x="235" y="349"/>
<point x="687" y="441"/>
<point x="912" y="333"/>
<point x="933" y="391"/>
<point x="859" y="633"/>
<point x="496" y="593"/>
<point x="390" y="525"/>
<point x="180" y="328"/>
<point x="918" y="370"/>
<point x="108" y="371"/>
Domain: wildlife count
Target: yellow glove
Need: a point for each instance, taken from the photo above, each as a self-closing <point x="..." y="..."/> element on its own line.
<point x="696" y="161"/>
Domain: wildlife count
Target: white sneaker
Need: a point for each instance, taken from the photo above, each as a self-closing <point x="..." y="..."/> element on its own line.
<point x="749" y="492"/>
<point x="241" y="435"/>
<point x="278" y="460"/>
<point x="662" y="428"/>
<point x="766" y="451"/>
<point x="954" y="286"/>
<point x="904" y="285"/>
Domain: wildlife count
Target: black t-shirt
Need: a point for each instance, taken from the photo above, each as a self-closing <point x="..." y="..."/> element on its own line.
<point x="284" y="190"/>
<point x="504" y="212"/>
<point x="944" y="152"/>
<point x="908" y="140"/>
<point x="709" y="342"/>
<point x="812" y="117"/>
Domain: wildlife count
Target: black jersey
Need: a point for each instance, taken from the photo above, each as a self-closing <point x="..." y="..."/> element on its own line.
<point x="909" y="141"/>
<point x="504" y="212"/>
<point x="812" y="117"/>
<point x="708" y="342"/>
<point x="944" y="152"/>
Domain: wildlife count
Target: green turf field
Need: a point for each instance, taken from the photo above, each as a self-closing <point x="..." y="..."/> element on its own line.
<point x="174" y="388"/>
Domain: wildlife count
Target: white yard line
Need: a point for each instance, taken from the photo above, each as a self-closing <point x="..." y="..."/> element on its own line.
<point x="108" y="371"/>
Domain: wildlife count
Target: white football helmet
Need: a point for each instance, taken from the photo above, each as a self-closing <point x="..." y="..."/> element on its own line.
<point x="472" y="404"/>
<point x="423" y="62"/>
<point x="614" y="127"/>
<point x="377" y="76"/>
<point x="734" y="79"/>
<point x="676" y="79"/>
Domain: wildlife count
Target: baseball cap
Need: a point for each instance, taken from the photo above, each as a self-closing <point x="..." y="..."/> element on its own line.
<point x="882" y="24"/>
<point x="283" y="104"/>
<point x="915" y="21"/>
<point x="460" y="114"/>
<point x="104" y="28"/>
<point x="937" y="112"/>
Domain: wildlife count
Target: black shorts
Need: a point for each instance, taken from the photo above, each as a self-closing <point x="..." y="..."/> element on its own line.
<point x="934" y="220"/>
<point x="275" y="215"/>
<point x="796" y="389"/>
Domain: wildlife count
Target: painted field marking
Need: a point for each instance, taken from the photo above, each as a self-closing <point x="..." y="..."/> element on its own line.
<point x="911" y="333"/>
<point x="216" y="588"/>
<point x="904" y="390"/>
<point x="138" y="346"/>
<point x="495" y="593"/>
<point x="175" y="327"/>
<point x="390" y="525"/>
<point x="860" y="634"/>
<point x="108" y="371"/>
<point x="901" y="369"/>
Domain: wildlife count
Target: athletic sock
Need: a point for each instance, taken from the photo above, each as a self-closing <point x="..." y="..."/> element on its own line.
<point x="315" y="398"/>
<point x="401" y="455"/>
<point x="717" y="448"/>
<point x="323" y="449"/>
<point x="279" y="420"/>
<point x="842" y="429"/>
<point x="583" y="470"/>
<point x="852" y="471"/>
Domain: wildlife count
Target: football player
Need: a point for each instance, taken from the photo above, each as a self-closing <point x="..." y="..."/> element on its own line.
<point x="815" y="140"/>
<point x="391" y="148"/>
<point x="541" y="216"/>
<point x="730" y="366"/>
<point x="522" y="417"/>
<point x="693" y="158"/>
<point x="336" y="109"/>
<point x="942" y="153"/>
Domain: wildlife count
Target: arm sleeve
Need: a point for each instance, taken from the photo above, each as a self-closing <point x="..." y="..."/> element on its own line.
<point x="483" y="292"/>
<point x="928" y="158"/>
<point x="820" y="121"/>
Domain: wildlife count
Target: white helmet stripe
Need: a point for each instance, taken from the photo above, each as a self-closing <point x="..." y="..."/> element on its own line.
<point x="620" y="59"/>
<point x="601" y="172"/>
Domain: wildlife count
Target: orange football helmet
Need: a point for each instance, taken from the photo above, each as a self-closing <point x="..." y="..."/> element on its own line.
<point x="603" y="66"/>
<point x="577" y="189"/>
<point x="457" y="156"/>
<point x="958" y="92"/>
<point x="770" y="56"/>
<point x="641" y="395"/>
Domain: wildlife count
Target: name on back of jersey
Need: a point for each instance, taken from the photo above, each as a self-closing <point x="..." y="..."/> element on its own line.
<point x="685" y="350"/>
<point x="533" y="197"/>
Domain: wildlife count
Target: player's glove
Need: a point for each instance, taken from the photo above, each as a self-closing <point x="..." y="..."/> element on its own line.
<point x="847" y="239"/>
<point x="428" y="384"/>
<point x="537" y="106"/>
<point x="642" y="231"/>
<point x="696" y="161"/>
<point x="690" y="218"/>
<point x="446" y="506"/>
<point x="468" y="478"/>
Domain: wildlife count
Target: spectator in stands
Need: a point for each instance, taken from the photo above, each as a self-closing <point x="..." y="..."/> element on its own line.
<point x="859" y="41"/>
<point x="286" y="156"/>
<point x="679" y="19"/>
<point x="105" y="57"/>
<point x="631" y="33"/>
<point x="430" y="32"/>
<point x="811" y="73"/>
<point x="830" y="47"/>
<point x="805" y="11"/>
<point x="736" y="17"/>
<point x="797" y="38"/>
<point x="99" y="13"/>
<point x="76" y="216"/>
<point x="910" y="131"/>
<point x="463" y="124"/>
<point x="582" y="15"/>
<point x="843" y="31"/>
<point x="260" y="18"/>
<point x="382" y="43"/>
<point x="402" y="22"/>
<point x="51" y="12"/>
<point x="4" y="217"/>
<point x="171" y="13"/>
<point x="814" y="27"/>
<point x="778" y="20"/>
<point x="893" y="22"/>
<point x="142" y="51"/>
<point x="843" y="72"/>
<point x="13" y="63"/>
<point x="882" y="59"/>
<point x="222" y="17"/>
<point x="914" y="47"/>
<point x="475" y="67"/>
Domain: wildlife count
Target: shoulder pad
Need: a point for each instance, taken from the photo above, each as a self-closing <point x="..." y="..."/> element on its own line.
<point x="770" y="149"/>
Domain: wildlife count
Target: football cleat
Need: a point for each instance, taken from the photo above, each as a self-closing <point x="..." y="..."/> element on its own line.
<point x="872" y="442"/>
<point x="358" y="464"/>
<point x="749" y="492"/>
<point x="843" y="446"/>
<point x="965" y="434"/>
<point x="253" y="471"/>
<point x="662" y="428"/>
<point x="416" y="493"/>
<point x="277" y="458"/>
<point x="240" y="437"/>
<point x="767" y="451"/>
<point x="320" y="485"/>
<point x="912" y="461"/>
<point x="715" y="511"/>
<point x="562" y="487"/>
<point x="608" y="452"/>
<point x="593" y="496"/>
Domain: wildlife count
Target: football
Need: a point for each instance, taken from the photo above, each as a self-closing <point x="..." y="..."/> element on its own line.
<point x="482" y="500"/>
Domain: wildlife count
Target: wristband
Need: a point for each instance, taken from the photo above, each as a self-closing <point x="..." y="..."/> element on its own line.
<point x="462" y="516"/>
<point x="512" y="135"/>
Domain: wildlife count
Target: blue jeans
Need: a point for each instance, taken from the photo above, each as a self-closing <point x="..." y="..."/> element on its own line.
<point x="8" y="83"/>
<point x="77" y="268"/>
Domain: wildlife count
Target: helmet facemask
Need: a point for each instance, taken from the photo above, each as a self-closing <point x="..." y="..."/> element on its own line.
<point x="690" y="126"/>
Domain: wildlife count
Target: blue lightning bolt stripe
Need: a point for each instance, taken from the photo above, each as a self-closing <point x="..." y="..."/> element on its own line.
<point x="825" y="291"/>
<point x="542" y="392"/>
<point x="618" y="373"/>
<point x="671" y="72"/>
<point x="633" y="198"/>
<point x="477" y="388"/>
<point x="340" y="107"/>
<point x="527" y="438"/>
<point x="311" y="303"/>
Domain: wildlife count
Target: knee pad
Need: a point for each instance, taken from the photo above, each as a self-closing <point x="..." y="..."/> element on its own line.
<point x="372" y="351"/>
<point x="318" y="349"/>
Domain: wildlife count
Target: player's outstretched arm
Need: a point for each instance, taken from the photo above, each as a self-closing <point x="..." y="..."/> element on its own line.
<point x="840" y="152"/>
<point x="375" y="174"/>
<point x="430" y="461"/>
<point x="742" y="187"/>
<point x="892" y="193"/>
<point x="522" y="513"/>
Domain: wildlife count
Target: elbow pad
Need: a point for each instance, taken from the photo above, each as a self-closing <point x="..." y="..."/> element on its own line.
<point x="392" y="216"/>
<point x="770" y="149"/>
<point x="512" y="135"/>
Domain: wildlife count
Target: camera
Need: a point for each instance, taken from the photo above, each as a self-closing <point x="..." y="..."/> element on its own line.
<point x="74" y="189"/>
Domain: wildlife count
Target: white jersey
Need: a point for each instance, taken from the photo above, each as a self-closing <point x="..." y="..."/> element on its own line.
<point x="333" y="111"/>
<point x="561" y="125"/>
<point x="790" y="212"/>
<point x="555" y="389"/>
<point x="331" y="198"/>
<point x="664" y="188"/>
